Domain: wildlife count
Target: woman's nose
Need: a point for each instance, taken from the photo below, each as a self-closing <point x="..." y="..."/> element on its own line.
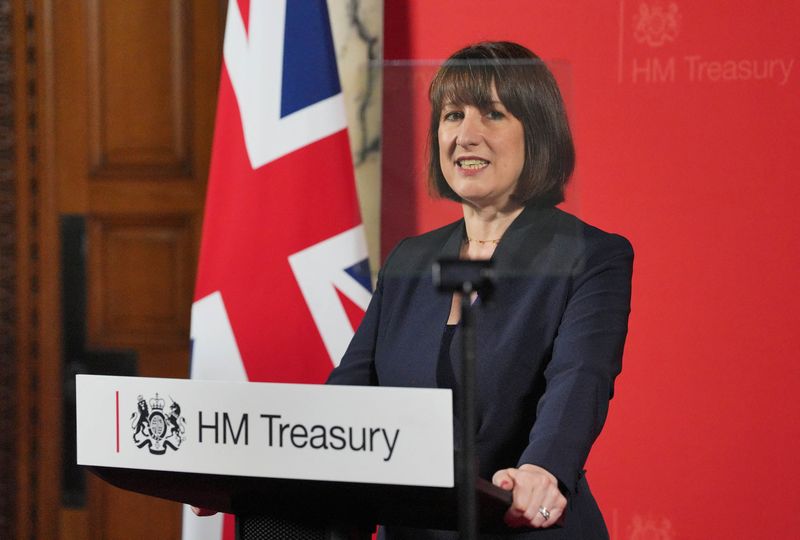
<point x="469" y="130"/>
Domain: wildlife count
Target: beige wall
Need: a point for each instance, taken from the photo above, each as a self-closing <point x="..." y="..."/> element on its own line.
<point x="358" y="36"/>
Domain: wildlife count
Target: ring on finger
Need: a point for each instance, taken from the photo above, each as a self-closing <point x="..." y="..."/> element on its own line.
<point x="544" y="512"/>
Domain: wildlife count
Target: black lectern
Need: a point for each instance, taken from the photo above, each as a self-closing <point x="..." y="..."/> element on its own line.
<point x="269" y="508"/>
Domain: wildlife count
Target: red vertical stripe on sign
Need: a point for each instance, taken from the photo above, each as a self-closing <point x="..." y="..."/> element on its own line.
<point x="117" y="398"/>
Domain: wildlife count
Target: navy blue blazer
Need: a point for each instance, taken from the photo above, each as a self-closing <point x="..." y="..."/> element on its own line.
<point x="549" y="345"/>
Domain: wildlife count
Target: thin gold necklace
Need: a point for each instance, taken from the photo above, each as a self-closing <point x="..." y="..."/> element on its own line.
<point x="467" y="240"/>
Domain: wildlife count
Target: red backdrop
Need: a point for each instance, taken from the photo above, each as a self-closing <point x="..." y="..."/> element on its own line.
<point x="685" y="116"/>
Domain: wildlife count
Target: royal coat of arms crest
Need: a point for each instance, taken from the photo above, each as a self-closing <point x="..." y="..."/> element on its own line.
<point x="156" y="428"/>
<point x="656" y="23"/>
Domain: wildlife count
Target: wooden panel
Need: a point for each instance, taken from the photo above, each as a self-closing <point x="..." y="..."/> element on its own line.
<point x="123" y="515"/>
<point x="134" y="88"/>
<point x="9" y="293"/>
<point x="165" y="361"/>
<point x="73" y="524"/>
<point x="37" y="433"/>
<point x="138" y="196"/>
<point x="138" y="89"/>
<point x="141" y="275"/>
<point x="68" y="113"/>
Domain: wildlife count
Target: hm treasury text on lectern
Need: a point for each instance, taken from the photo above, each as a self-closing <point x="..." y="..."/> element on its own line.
<point x="314" y="458"/>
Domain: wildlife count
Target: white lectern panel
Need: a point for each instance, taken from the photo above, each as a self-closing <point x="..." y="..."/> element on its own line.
<point x="297" y="431"/>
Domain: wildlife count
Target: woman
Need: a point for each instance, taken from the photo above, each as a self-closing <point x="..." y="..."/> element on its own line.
<point x="549" y="344"/>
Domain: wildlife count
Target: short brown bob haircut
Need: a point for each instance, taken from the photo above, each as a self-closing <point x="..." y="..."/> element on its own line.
<point x="528" y="90"/>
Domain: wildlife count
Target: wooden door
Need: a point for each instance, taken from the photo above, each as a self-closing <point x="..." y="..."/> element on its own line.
<point x="134" y="88"/>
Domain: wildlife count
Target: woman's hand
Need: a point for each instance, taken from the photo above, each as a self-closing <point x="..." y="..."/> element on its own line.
<point x="537" y="500"/>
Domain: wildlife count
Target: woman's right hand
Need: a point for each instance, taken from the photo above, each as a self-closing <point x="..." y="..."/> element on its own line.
<point x="537" y="502"/>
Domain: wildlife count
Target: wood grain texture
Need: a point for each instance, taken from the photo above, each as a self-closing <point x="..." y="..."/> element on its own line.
<point x="134" y="98"/>
<point x="141" y="274"/>
<point x="139" y="88"/>
<point x="8" y="279"/>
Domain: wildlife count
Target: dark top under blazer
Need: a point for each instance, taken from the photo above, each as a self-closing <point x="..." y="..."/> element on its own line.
<point x="549" y="343"/>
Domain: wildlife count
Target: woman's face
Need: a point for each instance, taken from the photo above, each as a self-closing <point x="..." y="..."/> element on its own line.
<point x="481" y="153"/>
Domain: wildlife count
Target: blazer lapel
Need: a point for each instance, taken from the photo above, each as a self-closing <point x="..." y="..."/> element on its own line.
<point x="526" y="237"/>
<point x="523" y="241"/>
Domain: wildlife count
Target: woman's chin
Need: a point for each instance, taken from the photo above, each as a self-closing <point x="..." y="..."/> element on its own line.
<point x="483" y="200"/>
<point x="474" y="195"/>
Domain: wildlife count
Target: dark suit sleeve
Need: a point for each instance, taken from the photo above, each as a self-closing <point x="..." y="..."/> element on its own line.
<point x="357" y="366"/>
<point x="587" y="356"/>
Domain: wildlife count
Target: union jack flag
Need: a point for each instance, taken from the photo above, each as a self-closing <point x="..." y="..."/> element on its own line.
<point x="283" y="277"/>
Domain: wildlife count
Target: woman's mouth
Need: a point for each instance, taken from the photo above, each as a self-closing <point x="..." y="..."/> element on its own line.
<point x="472" y="164"/>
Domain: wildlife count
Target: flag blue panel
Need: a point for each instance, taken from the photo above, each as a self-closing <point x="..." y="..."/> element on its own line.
<point x="360" y="273"/>
<point x="309" y="61"/>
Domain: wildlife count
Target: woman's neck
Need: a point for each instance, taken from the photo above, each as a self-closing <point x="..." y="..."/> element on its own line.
<point x="489" y="223"/>
<point x="485" y="228"/>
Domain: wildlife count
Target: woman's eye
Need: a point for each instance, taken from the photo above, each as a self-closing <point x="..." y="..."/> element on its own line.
<point x="453" y="115"/>
<point x="495" y="115"/>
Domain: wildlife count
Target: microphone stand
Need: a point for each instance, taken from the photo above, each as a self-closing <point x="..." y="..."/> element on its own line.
<point x="466" y="277"/>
